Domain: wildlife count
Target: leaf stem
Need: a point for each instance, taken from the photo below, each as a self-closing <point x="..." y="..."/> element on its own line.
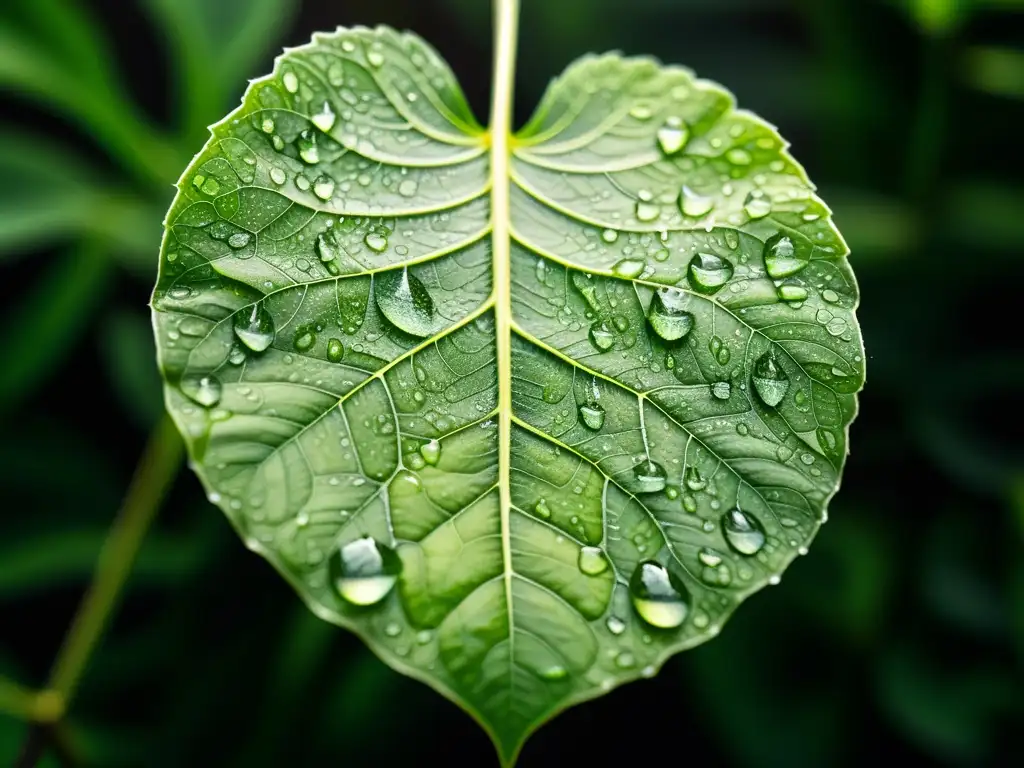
<point x="506" y="21"/>
<point x="156" y="469"/>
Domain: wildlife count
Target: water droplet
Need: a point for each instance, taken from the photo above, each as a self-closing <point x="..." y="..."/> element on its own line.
<point x="721" y="390"/>
<point x="405" y="301"/>
<point x="709" y="557"/>
<point x="554" y="672"/>
<point x="541" y="509"/>
<point x="625" y="660"/>
<point x="291" y="82"/>
<point x="592" y="416"/>
<point x="431" y="452"/>
<point x="641" y="112"/>
<point x="407" y="188"/>
<point x="308" y="150"/>
<point x="592" y="561"/>
<point x="650" y="476"/>
<point x="629" y="268"/>
<point x="204" y="389"/>
<point x="673" y="135"/>
<point x="239" y="240"/>
<point x="693" y="204"/>
<point x="830" y="296"/>
<point x="601" y="337"/>
<point x="667" y="316"/>
<point x="789" y="292"/>
<point x="304" y="339"/>
<point x="278" y="176"/>
<point x="708" y="273"/>
<point x="255" y="327"/>
<point x="335" y="350"/>
<point x="658" y="596"/>
<point x="376" y="58"/>
<point x="615" y="625"/>
<point x="695" y="481"/>
<point x="392" y="629"/>
<point x="267" y="126"/>
<point x="609" y="235"/>
<point x="743" y="532"/>
<point x="770" y="380"/>
<point x="738" y="156"/>
<point x="646" y="211"/>
<point x="720" y="350"/>
<point x="781" y="256"/>
<point x="323" y="187"/>
<point x="364" y="572"/>
<point x="757" y="207"/>
<point x="324" y="119"/>
<point x="376" y="241"/>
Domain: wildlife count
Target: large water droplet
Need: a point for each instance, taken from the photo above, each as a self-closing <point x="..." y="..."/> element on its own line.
<point x="592" y="561"/>
<point x="324" y="119"/>
<point x="781" y="256"/>
<point x="431" y="452"/>
<point x="650" y="476"/>
<point x="592" y="416"/>
<point x="335" y="350"/>
<point x="405" y="301"/>
<point x="667" y="315"/>
<point x="255" y="327"/>
<point x="364" y="572"/>
<point x="204" y="389"/>
<point x="742" y="532"/>
<point x="673" y="135"/>
<point x="693" y="204"/>
<point x="708" y="272"/>
<point x="658" y="596"/>
<point x="770" y="380"/>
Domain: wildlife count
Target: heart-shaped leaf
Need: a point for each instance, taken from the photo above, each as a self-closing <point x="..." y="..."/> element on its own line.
<point x="529" y="415"/>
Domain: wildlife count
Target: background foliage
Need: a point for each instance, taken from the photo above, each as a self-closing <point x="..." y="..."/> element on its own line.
<point x="902" y="634"/>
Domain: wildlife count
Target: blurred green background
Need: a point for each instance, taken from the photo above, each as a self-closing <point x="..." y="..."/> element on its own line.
<point x="902" y="634"/>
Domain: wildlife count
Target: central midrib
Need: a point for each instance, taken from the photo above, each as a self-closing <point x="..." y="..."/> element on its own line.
<point x="506" y="19"/>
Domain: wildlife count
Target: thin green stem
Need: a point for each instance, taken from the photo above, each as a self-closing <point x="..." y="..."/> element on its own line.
<point x="156" y="469"/>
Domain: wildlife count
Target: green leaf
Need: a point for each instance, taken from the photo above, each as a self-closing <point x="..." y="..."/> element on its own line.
<point x="528" y="415"/>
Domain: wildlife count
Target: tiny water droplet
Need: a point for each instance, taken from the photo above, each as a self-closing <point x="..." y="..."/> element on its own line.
<point x="554" y="672"/>
<point x="709" y="557"/>
<point x="738" y="156"/>
<point x="625" y="660"/>
<point x="542" y="510"/>
<point x="781" y="256"/>
<point x="658" y="596"/>
<point x="376" y="241"/>
<point x="204" y="389"/>
<point x="673" y="135"/>
<point x="609" y="235"/>
<point x="693" y="204"/>
<point x="830" y="296"/>
<point x="304" y="340"/>
<point x="667" y="315"/>
<point x="407" y="187"/>
<point x="769" y="379"/>
<point x="375" y="57"/>
<point x="592" y="416"/>
<point x="431" y="452"/>
<point x="364" y="572"/>
<point x="405" y="302"/>
<point x="592" y="561"/>
<point x="278" y="176"/>
<point x="308" y="150"/>
<point x="650" y="476"/>
<point x="615" y="625"/>
<point x="255" y="327"/>
<point x="721" y="390"/>
<point x="743" y="532"/>
<point x="720" y="350"/>
<point x="291" y="82"/>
